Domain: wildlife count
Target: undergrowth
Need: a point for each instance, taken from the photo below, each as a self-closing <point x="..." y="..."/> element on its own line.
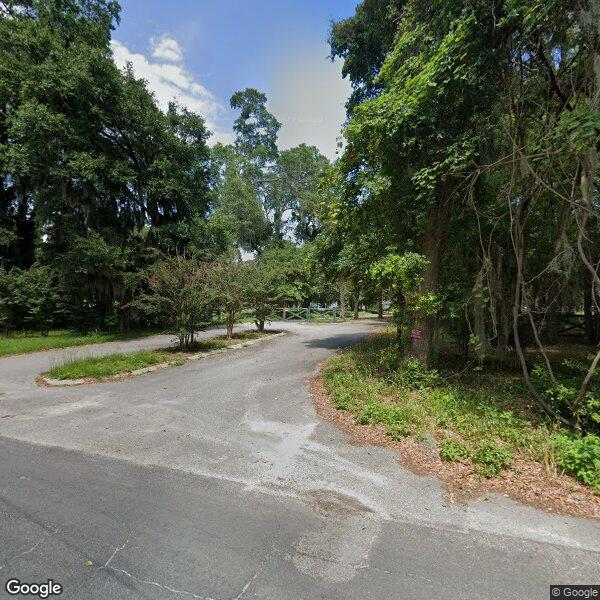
<point x="480" y="416"/>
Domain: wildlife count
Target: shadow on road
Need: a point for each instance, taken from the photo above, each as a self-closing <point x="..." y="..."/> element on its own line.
<point x="339" y="341"/>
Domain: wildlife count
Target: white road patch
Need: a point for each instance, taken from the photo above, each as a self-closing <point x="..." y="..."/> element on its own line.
<point x="338" y="548"/>
<point x="58" y="410"/>
<point x="285" y="443"/>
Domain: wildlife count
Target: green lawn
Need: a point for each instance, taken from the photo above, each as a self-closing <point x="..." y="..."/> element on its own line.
<point x="481" y="415"/>
<point x="21" y="343"/>
<point x="112" y="364"/>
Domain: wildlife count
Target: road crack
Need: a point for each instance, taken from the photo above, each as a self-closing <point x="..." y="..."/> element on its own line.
<point x="48" y="535"/>
<point x="108" y="567"/>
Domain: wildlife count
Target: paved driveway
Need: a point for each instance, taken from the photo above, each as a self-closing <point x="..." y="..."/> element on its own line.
<point x="216" y="480"/>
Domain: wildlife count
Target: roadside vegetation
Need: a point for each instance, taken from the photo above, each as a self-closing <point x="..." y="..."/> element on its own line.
<point x="99" y="367"/>
<point x="465" y="200"/>
<point x="23" y="342"/>
<point x="480" y="415"/>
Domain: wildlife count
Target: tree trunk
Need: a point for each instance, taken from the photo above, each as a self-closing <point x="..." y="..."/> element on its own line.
<point x="422" y="349"/>
<point x="230" y="324"/>
<point x="479" y="322"/>
<point x="342" y="288"/>
<point x="355" y="300"/>
<point x="591" y="318"/>
<point x="380" y="309"/>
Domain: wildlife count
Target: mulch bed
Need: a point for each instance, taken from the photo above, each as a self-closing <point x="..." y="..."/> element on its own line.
<point x="526" y="481"/>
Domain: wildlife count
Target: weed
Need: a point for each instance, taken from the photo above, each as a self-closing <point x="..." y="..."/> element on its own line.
<point x="453" y="451"/>
<point x="579" y="457"/>
<point x="491" y="458"/>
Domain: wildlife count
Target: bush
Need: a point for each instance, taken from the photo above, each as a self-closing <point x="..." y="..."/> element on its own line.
<point x="579" y="457"/>
<point x="412" y="374"/>
<point x="491" y="458"/>
<point x="397" y="431"/>
<point x="342" y="400"/>
<point x="453" y="451"/>
<point x="375" y="412"/>
<point x="389" y="358"/>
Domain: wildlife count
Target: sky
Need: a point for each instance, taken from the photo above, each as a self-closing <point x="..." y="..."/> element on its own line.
<point x="202" y="51"/>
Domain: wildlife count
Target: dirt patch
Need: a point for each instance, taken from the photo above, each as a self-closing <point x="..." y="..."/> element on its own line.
<point x="526" y="481"/>
<point x="330" y="502"/>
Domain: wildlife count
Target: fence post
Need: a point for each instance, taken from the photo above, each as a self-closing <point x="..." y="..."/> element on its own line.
<point x="308" y="315"/>
<point x="334" y="311"/>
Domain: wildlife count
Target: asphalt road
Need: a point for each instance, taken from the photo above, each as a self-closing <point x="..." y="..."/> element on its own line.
<point x="216" y="480"/>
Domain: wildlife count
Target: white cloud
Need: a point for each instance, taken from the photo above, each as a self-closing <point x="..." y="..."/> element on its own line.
<point x="170" y="81"/>
<point x="308" y="97"/>
<point x="167" y="48"/>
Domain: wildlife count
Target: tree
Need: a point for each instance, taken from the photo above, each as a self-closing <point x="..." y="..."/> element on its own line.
<point x="228" y="285"/>
<point x="474" y="130"/>
<point x="293" y="190"/>
<point x="178" y="296"/>
<point x="255" y="128"/>
<point x="236" y="200"/>
<point x="85" y="152"/>
<point x="277" y="277"/>
<point x="363" y="41"/>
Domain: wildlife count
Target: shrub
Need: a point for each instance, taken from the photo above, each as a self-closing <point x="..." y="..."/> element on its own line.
<point x="452" y="451"/>
<point x="491" y="458"/>
<point x="389" y="358"/>
<point x="374" y="412"/>
<point x="342" y="400"/>
<point x="412" y="374"/>
<point x="397" y="431"/>
<point x="579" y="457"/>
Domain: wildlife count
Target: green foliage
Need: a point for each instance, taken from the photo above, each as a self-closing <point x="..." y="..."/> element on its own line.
<point x="90" y="167"/>
<point x="491" y="458"/>
<point x="471" y="129"/>
<point x="412" y="374"/>
<point x="294" y="186"/>
<point x="179" y="297"/>
<point x="255" y="128"/>
<point x="579" y="457"/>
<point x="562" y="394"/>
<point x="480" y="410"/>
<point x="222" y="342"/>
<point x="453" y="451"/>
<point x="401" y="274"/>
<point x="277" y="277"/>
<point x="29" y="299"/>
<point x="228" y="282"/>
<point x="363" y="41"/>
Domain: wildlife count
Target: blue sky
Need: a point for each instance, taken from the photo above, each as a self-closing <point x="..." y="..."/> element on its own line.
<point x="201" y="51"/>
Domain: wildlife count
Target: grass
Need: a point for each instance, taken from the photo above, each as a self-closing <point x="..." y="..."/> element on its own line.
<point x="22" y="343"/>
<point x="220" y="342"/>
<point x="98" y="367"/>
<point x="481" y="415"/>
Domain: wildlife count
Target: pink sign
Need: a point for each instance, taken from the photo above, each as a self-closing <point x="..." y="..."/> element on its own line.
<point x="415" y="334"/>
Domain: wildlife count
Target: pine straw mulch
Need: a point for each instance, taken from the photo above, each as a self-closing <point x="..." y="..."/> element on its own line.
<point x="526" y="481"/>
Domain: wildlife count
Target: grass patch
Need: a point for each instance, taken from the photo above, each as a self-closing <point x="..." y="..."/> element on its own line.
<point x="98" y="367"/>
<point x="481" y="415"/>
<point x="22" y="343"/>
<point x="220" y="342"/>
